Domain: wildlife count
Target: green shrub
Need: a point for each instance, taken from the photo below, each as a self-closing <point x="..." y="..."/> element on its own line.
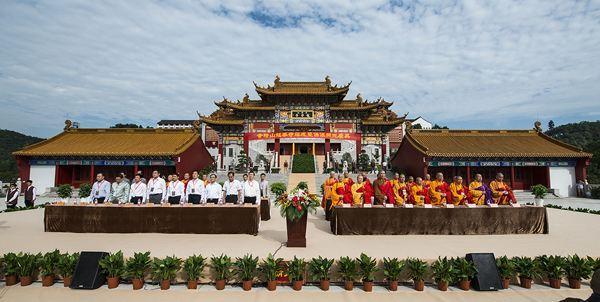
<point x="578" y="268"/>
<point x="443" y="270"/>
<point x="539" y="191"/>
<point x="464" y="270"/>
<point x="67" y="264"/>
<point x="221" y="266"/>
<point x="368" y="267"/>
<point x="525" y="267"/>
<point x="64" y="191"/>
<point x="296" y="269"/>
<point x="347" y="268"/>
<point x="269" y="267"/>
<point x="595" y="191"/>
<point x="319" y="268"/>
<point x="392" y="268"/>
<point x="113" y="264"/>
<point x="303" y="185"/>
<point x="194" y="266"/>
<point x="48" y="263"/>
<point x="136" y="266"/>
<point x="303" y="163"/>
<point x="27" y="263"/>
<point x="552" y="266"/>
<point x="166" y="268"/>
<point x="417" y="269"/>
<point x="246" y="267"/>
<point x="278" y="188"/>
<point x="506" y="267"/>
<point x="10" y="265"/>
<point x="85" y="190"/>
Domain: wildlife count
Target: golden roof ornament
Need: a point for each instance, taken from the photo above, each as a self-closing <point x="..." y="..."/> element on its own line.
<point x="537" y="126"/>
<point x="196" y="125"/>
<point x="328" y="81"/>
<point x="277" y="80"/>
<point x="246" y="98"/>
<point x="359" y="99"/>
<point x="68" y="125"/>
<point x="409" y="127"/>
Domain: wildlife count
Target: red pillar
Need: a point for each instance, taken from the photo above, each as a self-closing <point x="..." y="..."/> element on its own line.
<point x="135" y="170"/>
<point x="547" y="177"/>
<point x="56" y="175"/>
<point x="512" y="176"/>
<point x="358" y="146"/>
<point x="382" y="153"/>
<point x="277" y="148"/>
<point x="92" y="176"/>
<point x="468" y="174"/>
<point x="220" y="163"/>
<point x="73" y="175"/>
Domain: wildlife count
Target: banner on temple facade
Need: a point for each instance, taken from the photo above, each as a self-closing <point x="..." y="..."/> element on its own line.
<point x="305" y="134"/>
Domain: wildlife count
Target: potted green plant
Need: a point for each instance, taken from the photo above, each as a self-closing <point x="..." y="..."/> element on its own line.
<point x="64" y="192"/>
<point x="464" y="271"/>
<point x="278" y="188"/>
<point x="66" y="267"/>
<point x="47" y="266"/>
<point x="269" y="268"/>
<point x="296" y="270"/>
<point x="113" y="265"/>
<point x="193" y="266"/>
<point x="246" y="269"/>
<point x="348" y="269"/>
<point x="443" y="272"/>
<point x="222" y="270"/>
<point x="417" y="270"/>
<point x="10" y="268"/>
<point x="526" y="269"/>
<point x="539" y="191"/>
<point x="554" y="268"/>
<point x="368" y="268"/>
<point x="319" y="268"/>
<point x="27" y="264"/>
<point x="164" y="270"/>
<point x="136" y="267"/>
<point x="506" y="270"/>
<point x="85" y="190"/>
<point x="392" y="269"/>
<point x="578" y="268"/>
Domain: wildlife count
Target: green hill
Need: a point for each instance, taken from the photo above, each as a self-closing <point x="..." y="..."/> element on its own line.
<point x="11" y="141"/>
<point x="583" y="135"/>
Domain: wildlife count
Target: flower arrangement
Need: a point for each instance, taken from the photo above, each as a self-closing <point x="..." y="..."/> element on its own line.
<point x="297" y="203"/>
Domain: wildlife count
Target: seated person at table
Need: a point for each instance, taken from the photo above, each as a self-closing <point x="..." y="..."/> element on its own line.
<point x="232" y="189"/>
<point x="438" y="190"/>
<point x="427" y="181"/>
<point x="176" y="190"/>
<point x="157" y="188"/>
<point x="213" y="190"/>
<point x="410" y="182"/>
<point x="478" y="191"/>
<point x="120" y="191"/>
<point x="100" y="189"/>
<point x="368" y="187"/>
<point x="327" y="186"/>
<point x="205" y="179"/>
<point x="401" y="190"/>
<point x="418" y="194"/>
<point x="358" y="191"/>
<point x="251" y="189"/>
<point x="195" y="189"/>
<point x="341" y="192"/>
<point x="501" y="192"/>
<point x="137" y="193"/>
<point x="394" y="181"/>
<point x="347" y="179"/>
<point x="382" y="189"/>
<point x="458" y="191"/>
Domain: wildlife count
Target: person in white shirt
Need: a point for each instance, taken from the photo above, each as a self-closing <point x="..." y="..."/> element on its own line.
<point x="195" y="189"/>
<point x="137" y="193"/>
<point x="156" y="188"/>
<point x="251" y="189"/>
<point x="100" y="189"/>
<point x="232" y="189"/>
<point x="12" y="197"/>
<point x="264" y="186"/>
<point x="213" y="191"/>
<point x="176" y="191"/>
<point x="30" y="194"/>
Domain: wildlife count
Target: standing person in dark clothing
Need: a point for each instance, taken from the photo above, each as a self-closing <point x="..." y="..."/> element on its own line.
<point x="30" y="194"/>
<point x="12" y="197"/>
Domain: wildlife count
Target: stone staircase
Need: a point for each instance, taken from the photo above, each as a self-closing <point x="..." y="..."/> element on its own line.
<point x="309" y="178"/>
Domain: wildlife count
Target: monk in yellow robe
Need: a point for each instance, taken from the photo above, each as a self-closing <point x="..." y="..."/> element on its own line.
<point x="327" y="188"/>
<point x="340" y="192"/>
<point x="438" y="190"/>
<point x="394" y="181"/>
<point x="501" y="192"/>
<point x="401" y="190"/>
<point x="477" y="190"/>
<point x="358" y="191"/>
<point x="458" y="191"/>
<point x="418" y="194"/>
<point x="347" y="179"/>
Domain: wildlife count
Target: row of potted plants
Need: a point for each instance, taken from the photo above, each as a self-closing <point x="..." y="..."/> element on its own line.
<point x="581" y="210"/>
<point x="16" y="209"/>
<point x="248" y="269"/>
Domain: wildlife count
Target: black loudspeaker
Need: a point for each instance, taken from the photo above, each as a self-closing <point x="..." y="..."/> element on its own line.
<point x="88" y="274"/>
<point x="487" y="277"/>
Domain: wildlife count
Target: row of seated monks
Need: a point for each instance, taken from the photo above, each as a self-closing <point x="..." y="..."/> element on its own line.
<point x="398" y="191"/>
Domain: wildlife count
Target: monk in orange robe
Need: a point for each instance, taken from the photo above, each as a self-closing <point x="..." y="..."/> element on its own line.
<point x="367" y="196"/>
<point x="501" y="192"/>
<point x="401" y="190"/>
<point x="418" y="194"/>
<point x="458" y="191"/>
<point x="347" y="179"/>
<point x="394" y="181"/>
<point x="340" y="193"/>
<point x="326" y="203"/>
<point x="382" y="188"/>
<point x="477" y="191"/>
<point x="438" y="190"/>
<point x="427" y="181"/>
<point x="358" y="191"/>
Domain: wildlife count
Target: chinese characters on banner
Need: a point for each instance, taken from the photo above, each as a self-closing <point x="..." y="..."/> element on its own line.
<point x="323" y="135"/>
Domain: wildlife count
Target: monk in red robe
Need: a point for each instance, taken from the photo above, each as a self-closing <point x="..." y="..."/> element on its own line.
<point x="368" y="187"/>
<point x="382" y="188"/>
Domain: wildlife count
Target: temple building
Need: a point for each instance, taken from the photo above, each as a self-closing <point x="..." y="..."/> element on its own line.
<point x="302" y="117"/>
<point x="525" y="157"/>
<point x="75" y="156"/>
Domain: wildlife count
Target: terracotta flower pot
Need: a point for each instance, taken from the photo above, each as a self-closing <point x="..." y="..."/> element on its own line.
<point x="506" y="283"/>
<point x="554" y="283"/>
<point x="348" y="285"/>
<point x="137" y="283"/>
<point x="67" y="281"/>
<point x="247" y="285"/>
<point x="393" y="285"/>
<point x="271" y="285"/>
<point x="419" y="285"/>
<point x="48" y="280"/>
<point x="442" y="285"/>
<point x="324" y="285"/>
<point x="192" y="284"/>
<point x="574" y="283"/>
<point x="25" y="280"/>
<point x="165" y="284"/>
<point x="297" y="284"/>
<point x="113" y="282"/>
<point x="220" y="284"/>
<point x="464" y="284"/>
<point x="10" y="280"/>
<point x="368" y="286"/>
<point x="525" y="282"/>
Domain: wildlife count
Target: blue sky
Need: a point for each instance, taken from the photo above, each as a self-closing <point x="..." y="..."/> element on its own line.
<point x="465" y="64"/>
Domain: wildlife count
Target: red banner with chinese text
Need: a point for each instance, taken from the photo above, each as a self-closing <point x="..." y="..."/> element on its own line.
<point x="301" y="134"/>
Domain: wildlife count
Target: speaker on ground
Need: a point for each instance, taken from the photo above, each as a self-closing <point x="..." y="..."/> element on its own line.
<point x="88" y="274"/>
<point x="487" y="277"/>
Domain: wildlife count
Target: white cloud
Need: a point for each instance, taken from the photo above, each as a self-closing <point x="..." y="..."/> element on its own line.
<point x="465" y="64"/>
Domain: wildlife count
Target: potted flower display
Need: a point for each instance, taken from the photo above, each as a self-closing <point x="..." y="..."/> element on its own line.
<point x="113" y="265"/>
<point x="136" y="267"/>
<point x="348" y="269"/>
<point x="506" y="270"/>
<point x="526" y="270"/>
<point x="539" y="191"/>
<point x="319" y="268"/>
<point x="295" y="207"/>
<point x="296" y="270"/>
<point x="64" y="192"/>
<point x="193" y="266"/>
<point x="27" y="264"/>
<point x="66" y="267"/>
<point x="392" y="269"/>
<point x="10" y="268"/>
<point x="417" y="270"/>
<point x="368" y="267"/>
<point x="269" y="267"/>
<point x="246" y="270"/>
<point x="47" y="266"/>
<point x="464" y="271"/>
<point x="553" y="267"/>
<point x="221" y="266"/>
<point x="443" y="272"/>
<point x="165" y="270"/>
<point x="578" y="268"/>
<point x="85" y="190"/>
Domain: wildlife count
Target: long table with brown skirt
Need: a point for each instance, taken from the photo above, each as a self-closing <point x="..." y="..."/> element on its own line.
<point x="482" y="220"/>
<point x="198" y="219"/>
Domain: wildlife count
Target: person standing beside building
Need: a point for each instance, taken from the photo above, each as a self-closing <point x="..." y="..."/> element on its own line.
<point x="214" y="191"/>
<point x="120" y="191"/>
<point x="156" y="188"/>
<point x="12" y="197"/>
<point x="175" y="190"/>
<point x="232" y="189"/>
<point x="195" y="189"/>
<point x="30" y="194"/>
<point x="251" y="189"/>
<point x="100" y="189"/>
<point x="264" y="186"/>
<point x="137" y="193"/>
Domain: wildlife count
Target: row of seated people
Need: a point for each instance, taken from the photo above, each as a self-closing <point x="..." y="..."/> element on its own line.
<point x="398" y="191"/>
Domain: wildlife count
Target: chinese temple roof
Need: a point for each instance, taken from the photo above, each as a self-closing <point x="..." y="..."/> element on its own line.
<point x="302" y="88"/>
